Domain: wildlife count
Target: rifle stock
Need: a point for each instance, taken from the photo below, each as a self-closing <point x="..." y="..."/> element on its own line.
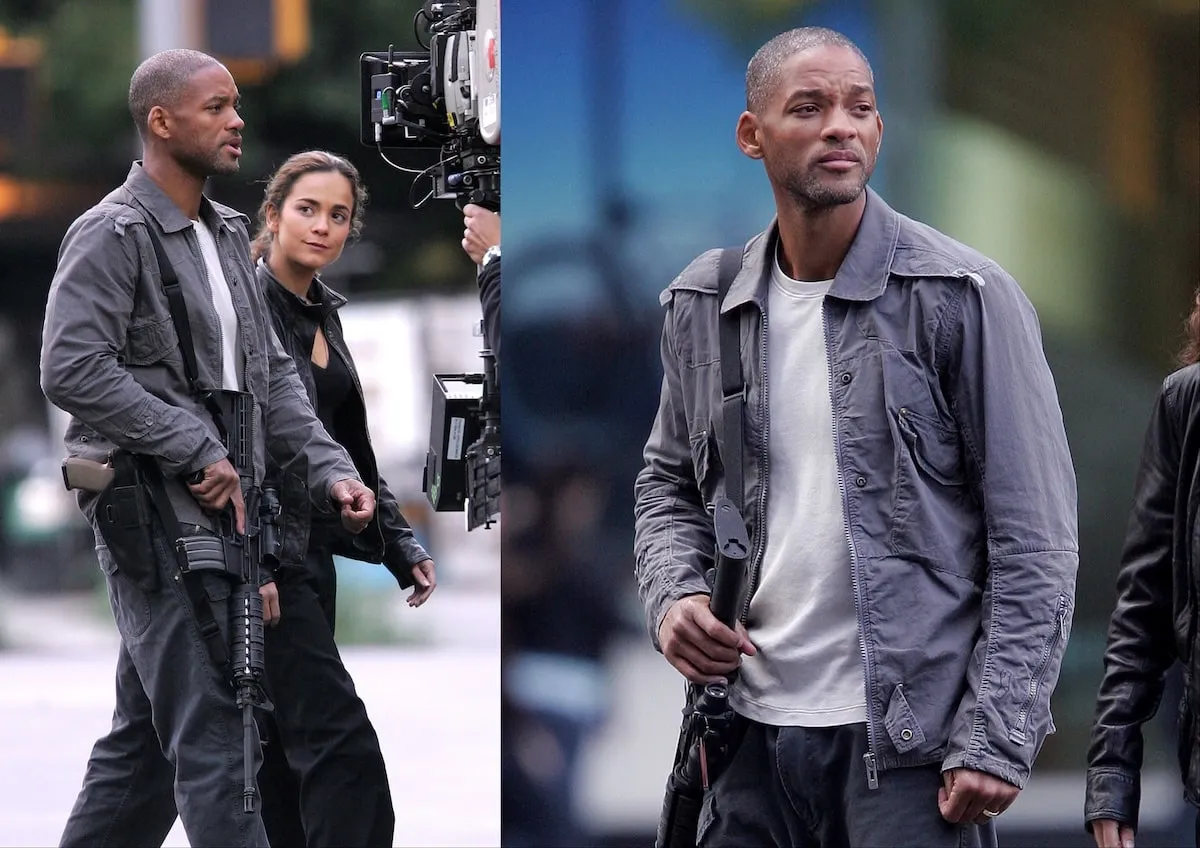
<point x="705" y="738"/>
<point x="86" y="474"/>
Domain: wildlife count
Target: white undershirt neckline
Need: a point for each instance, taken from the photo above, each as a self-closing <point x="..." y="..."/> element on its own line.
<point x="222" y="301"/>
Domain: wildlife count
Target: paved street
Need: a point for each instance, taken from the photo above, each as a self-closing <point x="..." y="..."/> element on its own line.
<point x="434" y="708"/>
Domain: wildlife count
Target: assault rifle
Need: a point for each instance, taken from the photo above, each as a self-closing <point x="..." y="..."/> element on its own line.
<point x="244" y="555"/>
<point x="707" y="738"/>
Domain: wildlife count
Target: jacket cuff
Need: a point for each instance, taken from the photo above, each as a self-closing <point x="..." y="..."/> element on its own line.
<point x="211" y="450"/>
<point x="1002" y="769"/>
<point x="406" y="552"/>
<point x="400" y="557"/>
<point x="1112" y="793"/>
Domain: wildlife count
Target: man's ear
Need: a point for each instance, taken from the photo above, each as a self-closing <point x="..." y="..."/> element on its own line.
<point x="158" y="122"/>
<point x="748" y="135"/>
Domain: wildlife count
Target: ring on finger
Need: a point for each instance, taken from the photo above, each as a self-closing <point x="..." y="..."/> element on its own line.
<point x="991" y="814"/>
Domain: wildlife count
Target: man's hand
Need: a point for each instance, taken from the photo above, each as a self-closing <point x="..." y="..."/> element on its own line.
<point x="966" y="793"/>
<point x="701" y="648"/>
<point x="357" y="503"/>
<point x="425" y="577"/>
<point x="270" y="598"/>
<point x="482" y="231"/>
<point x="1112" y="834"/>
<point x="220" y="485"/>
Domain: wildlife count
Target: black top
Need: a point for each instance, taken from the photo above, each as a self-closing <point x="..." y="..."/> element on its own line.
<point x="334" y="387"/>
<point x="388" y="538"/>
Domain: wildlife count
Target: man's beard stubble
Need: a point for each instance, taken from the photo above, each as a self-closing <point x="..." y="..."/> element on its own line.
<point x="813" y="194"/>
<point x="205" y="165"/>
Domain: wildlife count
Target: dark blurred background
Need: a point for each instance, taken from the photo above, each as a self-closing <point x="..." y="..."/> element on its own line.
<point x="66" y="139"/>
<point x="1062" y="139"/>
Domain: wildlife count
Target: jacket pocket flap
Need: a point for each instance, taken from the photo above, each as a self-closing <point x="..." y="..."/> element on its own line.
<point x="901" y="724"/>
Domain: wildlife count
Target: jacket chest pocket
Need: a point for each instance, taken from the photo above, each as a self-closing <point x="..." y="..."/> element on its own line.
<point x="150" y="342"/>
<point x="934" y="516"/>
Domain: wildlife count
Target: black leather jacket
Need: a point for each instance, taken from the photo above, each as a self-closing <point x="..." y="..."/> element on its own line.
<point x="388" y="539"/>
<point x="1154" y="623"/>
<point x="489" y="300"/>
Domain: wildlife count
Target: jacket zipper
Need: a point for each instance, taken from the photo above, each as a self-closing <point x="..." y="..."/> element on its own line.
<point x="761" y="510"/>
<point x="869" y="758"/>
<point x="1017" y="732"/>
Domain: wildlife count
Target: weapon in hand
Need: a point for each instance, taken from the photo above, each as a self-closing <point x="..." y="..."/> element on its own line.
<point x="246" y="552"/>
<point x="706" y="737"/>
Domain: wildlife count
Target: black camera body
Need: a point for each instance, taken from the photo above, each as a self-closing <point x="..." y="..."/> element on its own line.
<point x="462" y="466"/>
<point x="447" y="98"/>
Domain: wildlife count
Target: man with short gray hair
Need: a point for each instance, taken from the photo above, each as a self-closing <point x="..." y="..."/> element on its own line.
<point x="906" y="483"/>
<point x="112" y="357"/>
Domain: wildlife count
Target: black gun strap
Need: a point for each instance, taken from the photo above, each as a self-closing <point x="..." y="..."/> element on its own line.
<point x="210" y="629"/>
<point x="733" y="385"/>
<point x="183" y="329"/>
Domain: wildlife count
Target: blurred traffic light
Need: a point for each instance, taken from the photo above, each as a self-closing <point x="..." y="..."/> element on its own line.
<point x="253" y="36"/>
<point x="19" y="58"/>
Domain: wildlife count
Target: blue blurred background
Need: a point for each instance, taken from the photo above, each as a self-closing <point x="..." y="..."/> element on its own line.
<point x="1061" y="139"/>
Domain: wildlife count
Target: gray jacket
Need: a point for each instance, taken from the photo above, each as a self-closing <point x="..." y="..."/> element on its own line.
<point x="111" y="357"/>
<point x="957" y="484"/>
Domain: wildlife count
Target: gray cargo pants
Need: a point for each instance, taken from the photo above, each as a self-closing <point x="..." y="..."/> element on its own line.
<point x="165" y="674"/>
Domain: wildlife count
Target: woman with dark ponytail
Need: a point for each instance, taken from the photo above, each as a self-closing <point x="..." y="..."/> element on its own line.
<point x="1155" y="620"/>
<point x="323" y="779"/>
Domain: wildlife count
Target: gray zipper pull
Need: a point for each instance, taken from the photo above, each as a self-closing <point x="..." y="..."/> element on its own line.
<point x="872" y="771"/>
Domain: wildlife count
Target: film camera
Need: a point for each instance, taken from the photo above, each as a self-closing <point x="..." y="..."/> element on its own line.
<point x="447" y="98"/>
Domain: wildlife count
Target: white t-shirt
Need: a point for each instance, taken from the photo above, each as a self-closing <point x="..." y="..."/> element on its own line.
<point x="808" y="671"/>
<point x="231" y="348"/>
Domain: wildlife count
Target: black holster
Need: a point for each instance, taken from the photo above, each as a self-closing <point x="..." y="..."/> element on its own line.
<point x="124" y="519"/>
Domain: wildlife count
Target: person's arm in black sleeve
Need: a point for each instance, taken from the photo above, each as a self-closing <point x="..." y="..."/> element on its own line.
<point x="489" y="299"/>
<point x="481" y="241"/>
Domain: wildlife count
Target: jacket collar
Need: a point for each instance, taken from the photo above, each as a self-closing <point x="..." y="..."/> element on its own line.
<point x="863" y="273"/>
<point x="164" y="211"/>
<point x="321" y="298"/>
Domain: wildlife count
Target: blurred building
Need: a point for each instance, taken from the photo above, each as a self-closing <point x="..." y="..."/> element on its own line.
<point x="1063" y="140"/>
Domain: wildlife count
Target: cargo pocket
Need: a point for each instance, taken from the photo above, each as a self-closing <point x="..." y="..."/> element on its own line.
<point x="130" y="606"/>
<point x="150" y="342"/>
<point x="935" y="517"/>
<point x="933" y="447"/>
<point x="901" y="724"/>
